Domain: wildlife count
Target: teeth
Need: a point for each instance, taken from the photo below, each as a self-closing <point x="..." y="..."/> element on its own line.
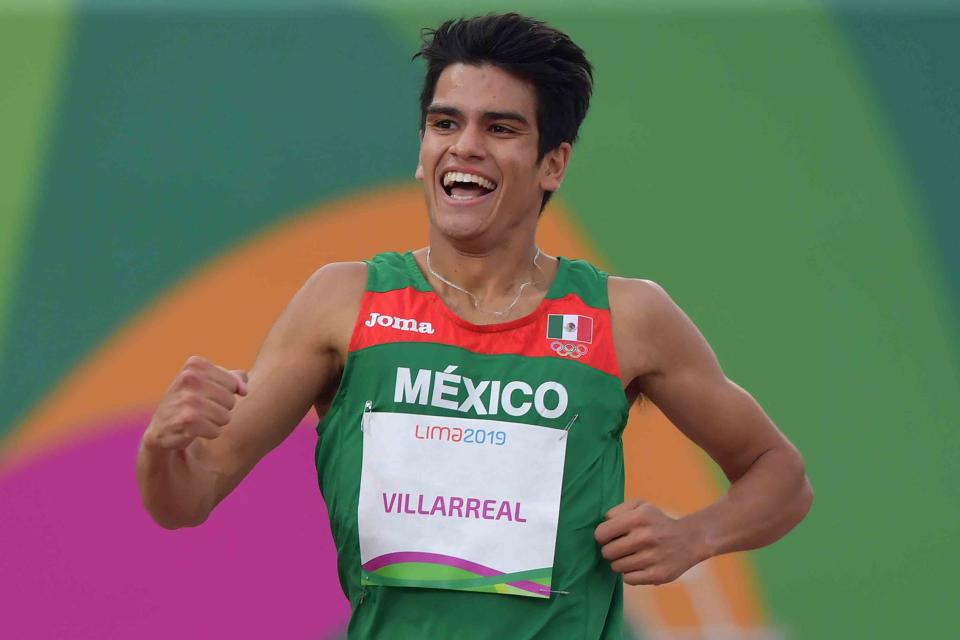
<point x="456" y="176"/>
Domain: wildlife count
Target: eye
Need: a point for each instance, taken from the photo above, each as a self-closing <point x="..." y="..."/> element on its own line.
<point x="499" y="128"/>
<point x="443" y="124"/>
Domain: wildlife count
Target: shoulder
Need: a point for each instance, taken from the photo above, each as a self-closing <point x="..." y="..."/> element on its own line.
<point x="326" y="306"/>
<point x="635" y="300"/>
<point x="332" y="286"/>
<point x="337" y="281"/>
<point x="336" y="285"/>
<point x="646" y="323"/>
<point x="656" y="332"/>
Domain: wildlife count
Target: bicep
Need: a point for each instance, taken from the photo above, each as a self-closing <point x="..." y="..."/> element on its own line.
<point x="283" y="382"/>
<point x="298" y="359"/>
<point x="688" y="384"/>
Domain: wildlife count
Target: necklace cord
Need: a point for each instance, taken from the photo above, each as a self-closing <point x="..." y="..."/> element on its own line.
<point x="476" y="301"/>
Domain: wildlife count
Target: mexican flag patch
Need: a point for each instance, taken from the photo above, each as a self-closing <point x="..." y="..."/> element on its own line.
<point x="568" y="327"/>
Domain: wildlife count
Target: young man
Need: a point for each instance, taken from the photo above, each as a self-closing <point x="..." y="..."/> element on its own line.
<point x="475" y="391"/>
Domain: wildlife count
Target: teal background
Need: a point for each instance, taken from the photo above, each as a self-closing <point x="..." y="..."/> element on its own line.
<point x="789" y="172"/>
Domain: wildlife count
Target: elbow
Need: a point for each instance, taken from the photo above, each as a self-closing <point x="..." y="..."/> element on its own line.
<point x="804" y="495"/>
<point x="805" y="499"/>
<point x="807" y="495"/>
<point x="795" y="492"/>
<point x="168" y="524"/>
<point x="173" y="523"/>
<point x="171" y="520"/>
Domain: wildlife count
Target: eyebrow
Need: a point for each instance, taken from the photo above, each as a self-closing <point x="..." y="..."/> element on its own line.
<point x="442" y="109"/>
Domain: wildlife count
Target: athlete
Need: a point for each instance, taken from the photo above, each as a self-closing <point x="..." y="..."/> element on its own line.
<point x="473" y="393"/>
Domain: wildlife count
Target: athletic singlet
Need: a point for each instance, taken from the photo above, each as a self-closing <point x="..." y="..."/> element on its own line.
<point x="403" y="342"/>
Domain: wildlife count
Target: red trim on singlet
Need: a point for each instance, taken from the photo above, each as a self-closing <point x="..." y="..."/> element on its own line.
<point x="526" y="336"/>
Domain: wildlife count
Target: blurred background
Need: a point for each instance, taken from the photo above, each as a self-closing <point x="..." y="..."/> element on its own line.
<point x="171" y="173"/>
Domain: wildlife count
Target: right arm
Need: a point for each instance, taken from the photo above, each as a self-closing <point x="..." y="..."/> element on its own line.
<point x="214" y="425"/>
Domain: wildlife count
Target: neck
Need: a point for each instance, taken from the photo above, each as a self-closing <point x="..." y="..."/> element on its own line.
<point x="489" y="273"/>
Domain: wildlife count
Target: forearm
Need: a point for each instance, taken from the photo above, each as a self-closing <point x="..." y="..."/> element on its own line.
<point x="178" y="486"/>
<point x="760" y="507"/>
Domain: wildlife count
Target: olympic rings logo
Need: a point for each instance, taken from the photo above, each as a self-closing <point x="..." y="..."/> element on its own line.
<point x="568" y="350"/>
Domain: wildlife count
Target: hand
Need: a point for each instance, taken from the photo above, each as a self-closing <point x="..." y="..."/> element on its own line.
<point x="197" y="405"/>
<point x="646" y="545"/>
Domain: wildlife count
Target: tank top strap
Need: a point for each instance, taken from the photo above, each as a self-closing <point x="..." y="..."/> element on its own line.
<point x="391" y="270"/>
<point x="583" y="280"/>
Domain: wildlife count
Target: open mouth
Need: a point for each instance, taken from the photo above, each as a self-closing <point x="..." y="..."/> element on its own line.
<point x="466" y="186"/>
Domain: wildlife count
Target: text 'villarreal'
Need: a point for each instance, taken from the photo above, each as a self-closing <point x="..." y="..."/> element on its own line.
<point x="452" y="507"/>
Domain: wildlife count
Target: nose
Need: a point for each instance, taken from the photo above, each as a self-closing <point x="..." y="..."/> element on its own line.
<point x="469" y="144"/>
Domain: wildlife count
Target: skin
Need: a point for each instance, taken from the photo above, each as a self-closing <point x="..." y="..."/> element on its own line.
<point x="488" y="248"/>
<point x="214" y="425"/>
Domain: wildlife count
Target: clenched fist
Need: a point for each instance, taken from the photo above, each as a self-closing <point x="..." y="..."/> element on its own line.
<point x="646" y="545"/>
<point x="197" y="405"/>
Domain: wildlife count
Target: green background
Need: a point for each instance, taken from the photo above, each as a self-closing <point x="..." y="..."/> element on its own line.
<point x="789" y="172"/>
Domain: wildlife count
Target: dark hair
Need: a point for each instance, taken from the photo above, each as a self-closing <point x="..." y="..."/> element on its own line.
<point x="527" y="48"/>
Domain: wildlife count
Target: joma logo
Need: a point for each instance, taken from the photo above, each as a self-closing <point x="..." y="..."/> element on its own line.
<point x="403" y="324"/>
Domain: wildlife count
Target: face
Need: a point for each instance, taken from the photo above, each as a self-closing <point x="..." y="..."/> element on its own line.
<point x="478" y="155"/>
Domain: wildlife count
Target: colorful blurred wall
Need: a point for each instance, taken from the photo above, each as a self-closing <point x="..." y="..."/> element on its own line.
<point x="171" y="172"/>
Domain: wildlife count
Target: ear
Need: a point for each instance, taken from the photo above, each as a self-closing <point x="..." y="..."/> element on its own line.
<point x="554" y="166"/>
<point x="418" y="174"/>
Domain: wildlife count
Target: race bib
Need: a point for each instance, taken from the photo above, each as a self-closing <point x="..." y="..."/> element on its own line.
<point x="454" y="503"/>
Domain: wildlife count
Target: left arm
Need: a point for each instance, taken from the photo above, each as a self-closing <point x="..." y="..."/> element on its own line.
<point x="676" y="368"/>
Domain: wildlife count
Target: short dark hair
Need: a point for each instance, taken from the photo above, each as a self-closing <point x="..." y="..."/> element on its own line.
<point x="527" y="48"/>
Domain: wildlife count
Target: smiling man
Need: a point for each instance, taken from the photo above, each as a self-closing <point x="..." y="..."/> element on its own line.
<point x="474" y="392"/>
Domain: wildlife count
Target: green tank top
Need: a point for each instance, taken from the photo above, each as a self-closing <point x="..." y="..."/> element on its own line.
<point x="405" y="334"/>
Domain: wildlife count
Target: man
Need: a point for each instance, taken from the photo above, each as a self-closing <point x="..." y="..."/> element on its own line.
<point x="474" y="392"/>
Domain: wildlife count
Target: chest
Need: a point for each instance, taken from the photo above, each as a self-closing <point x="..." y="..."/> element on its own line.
<point x="409" y="353"/>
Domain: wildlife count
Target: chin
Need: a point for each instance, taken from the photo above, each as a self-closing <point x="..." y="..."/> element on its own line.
<point x="461" y="231"/>
<point x="460" y="225"/>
